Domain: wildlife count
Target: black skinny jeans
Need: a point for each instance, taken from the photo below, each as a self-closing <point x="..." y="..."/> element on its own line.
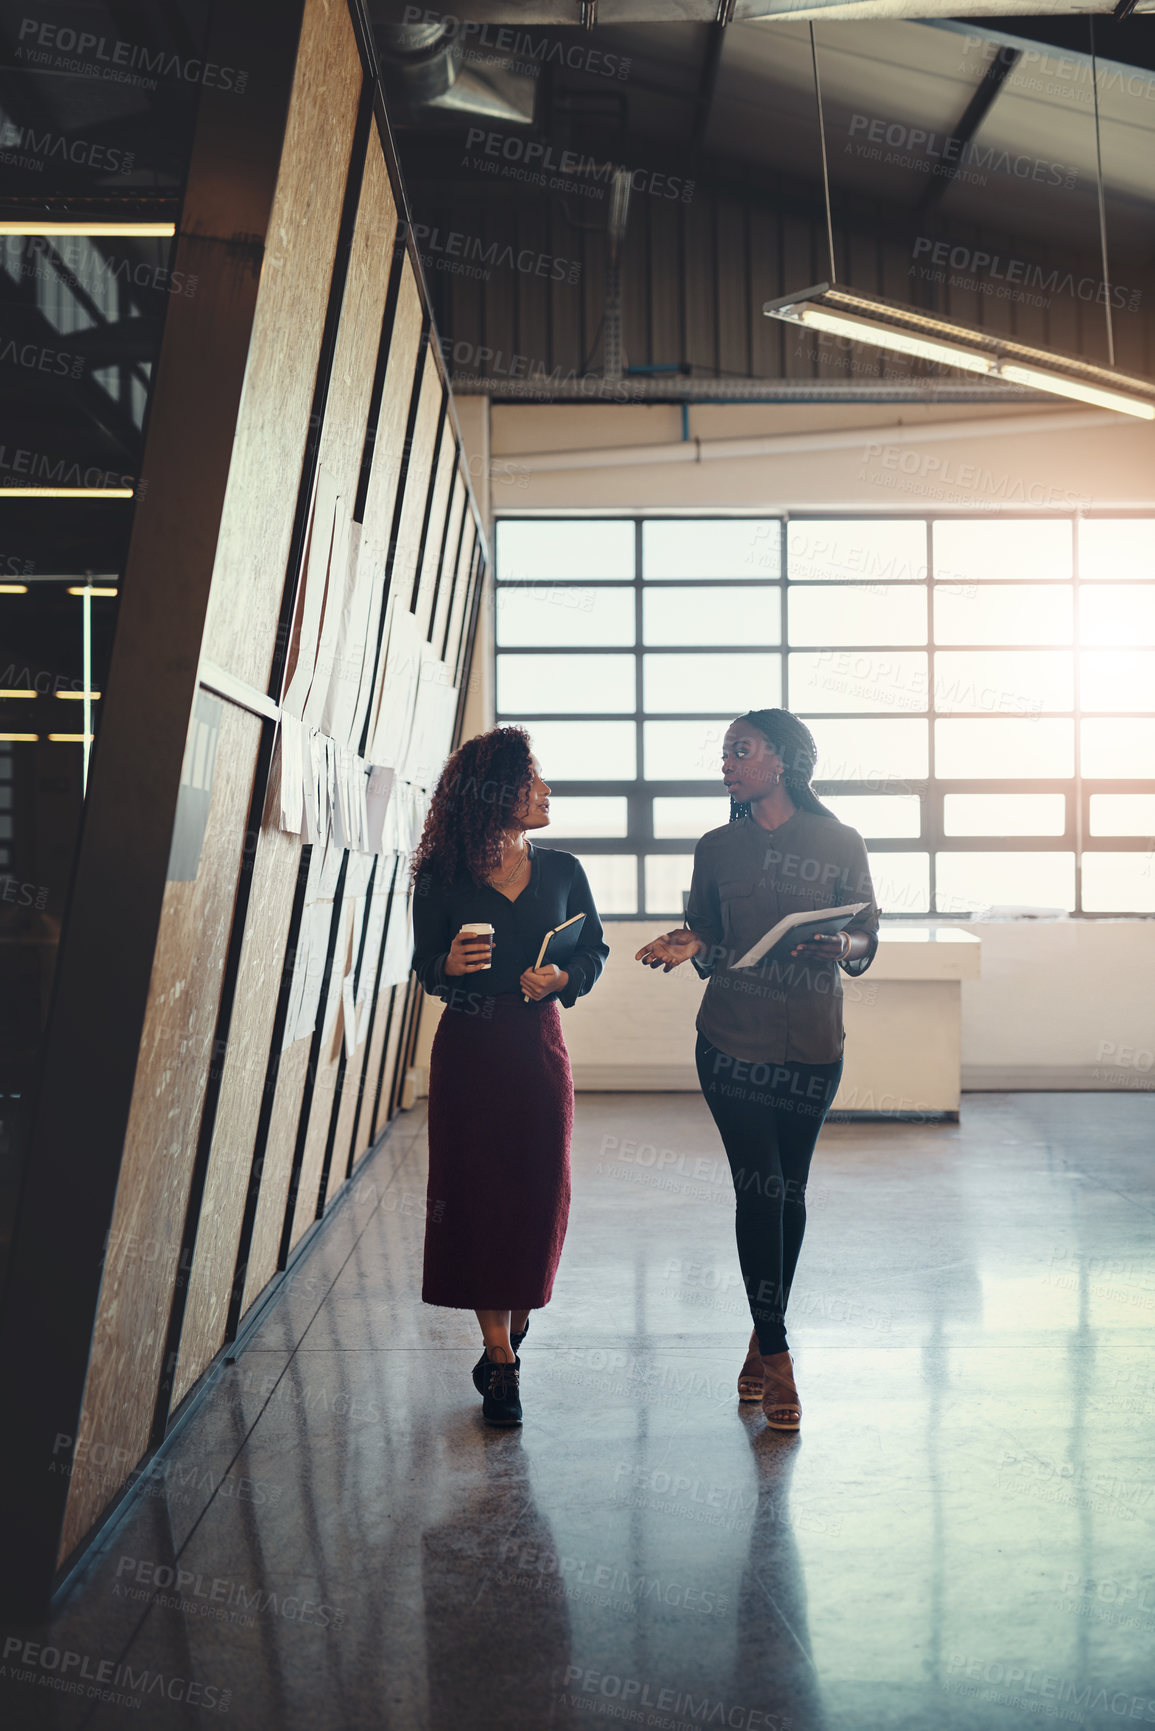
<point x="769" y="1117"/>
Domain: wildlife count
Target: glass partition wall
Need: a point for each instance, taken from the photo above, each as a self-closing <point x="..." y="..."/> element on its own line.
<point x="87" y="237"/>
<point x="982" y="691"/>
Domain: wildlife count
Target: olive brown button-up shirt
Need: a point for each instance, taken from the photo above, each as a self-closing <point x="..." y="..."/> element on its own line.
<point x="783" y="1010"/>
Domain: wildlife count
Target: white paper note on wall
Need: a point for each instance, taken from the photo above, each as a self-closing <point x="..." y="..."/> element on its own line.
<point x="316" y="786"/>
<point x="339" y="815"/>
<point x="398" y="942"/>
<point x="310" y="600"/>
<point x="374" y="934"/>
<point x="330" y="870"/>
<point x="361" y="800"/>
<point x="399" y="689"/>
<point x="353" y="649"/>
<point x="378" y="789"/>
<point x="312" y="949"/>
<point x="337" y="577"/>
<point x="342" y="964"/>
<point x="296" y="989"/>
<point x="291" y="772"/>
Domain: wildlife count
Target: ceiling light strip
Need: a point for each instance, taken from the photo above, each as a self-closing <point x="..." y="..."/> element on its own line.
<point x="65" y="492"/>
<point x="904" y="318"/>
<point x="82" y="226"/>
<point x="1039" y="380"/>
<point x="881" y="324"/>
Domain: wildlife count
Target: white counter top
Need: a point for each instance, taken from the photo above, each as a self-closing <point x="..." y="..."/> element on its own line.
<point x="924" y="952"/>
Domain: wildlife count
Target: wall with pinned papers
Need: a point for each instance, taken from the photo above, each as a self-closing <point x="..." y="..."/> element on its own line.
<point x="340" y="603"/>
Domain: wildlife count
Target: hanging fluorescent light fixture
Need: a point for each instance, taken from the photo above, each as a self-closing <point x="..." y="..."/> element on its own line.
<point x="884" y="324"/>
<point x="864" y="318"/>
<point x="819" y="316"/>
<point x="1081" y="392"/>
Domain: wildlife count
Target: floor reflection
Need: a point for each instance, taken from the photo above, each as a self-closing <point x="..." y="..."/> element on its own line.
<point x="959" y="1537"/>
<point x="773" y="1664"/>
<point x="497" y="1628"/>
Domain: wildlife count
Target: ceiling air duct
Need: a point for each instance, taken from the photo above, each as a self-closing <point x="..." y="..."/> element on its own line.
<point x="429" y="67"/>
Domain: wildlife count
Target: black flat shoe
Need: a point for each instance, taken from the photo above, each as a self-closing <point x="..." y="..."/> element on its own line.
<point x="501" y="1403"/>
<point x="515" y="1340"/>
<point x="479" y="1368"/>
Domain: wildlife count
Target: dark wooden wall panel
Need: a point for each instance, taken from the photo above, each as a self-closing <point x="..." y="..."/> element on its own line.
<point x="172" y="1070"/>
<point x="246" y="1060"/>
<point x="435" y="532"/>
<point x="248" y="1108"/>
<point x="346" y="1110"/>
<point x="347" y="913"/>
<point x="363" y="1129"/>
<point x="364" y="1132"/>
<point x="341" y="450"/>
<point x="463" y="597"/>
<point x="389" y="1063"/>
<point x="449" y="564"/>
<point x="389" y="444"/>
<point x="276" y="1171"/>
<point x="421" y="459"/>
<point x="274" y="365"/>
<point x="359" y="332"/>
<point x="260" y="503"/>
<point x="295" y="1076"/>
<point x="352" y="1087"/>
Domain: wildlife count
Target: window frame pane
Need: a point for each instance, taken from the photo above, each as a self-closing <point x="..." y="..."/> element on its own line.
<point x="743" y="676"/>
<point x="1103" y="762"/>
<point x="729" y="594"/>
<point x="592" y="567"/>
<point x="565" y="658"/>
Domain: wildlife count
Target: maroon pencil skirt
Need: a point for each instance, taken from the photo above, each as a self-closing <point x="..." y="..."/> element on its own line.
<point x="500" y="1120"/>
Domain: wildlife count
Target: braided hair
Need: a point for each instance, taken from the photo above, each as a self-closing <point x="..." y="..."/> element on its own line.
<point x="794" y="744"/>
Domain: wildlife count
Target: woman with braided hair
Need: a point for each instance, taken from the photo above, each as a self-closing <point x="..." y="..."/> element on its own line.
<point x="500" y="1089"/>
<point x="770" y="1038"/>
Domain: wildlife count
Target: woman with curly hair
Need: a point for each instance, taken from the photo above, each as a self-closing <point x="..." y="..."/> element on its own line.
<point x="500" y="1089"/>
<point x="770" y="1039"/>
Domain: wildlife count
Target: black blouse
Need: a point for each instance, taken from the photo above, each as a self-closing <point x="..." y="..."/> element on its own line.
<point x="557" y="889"/>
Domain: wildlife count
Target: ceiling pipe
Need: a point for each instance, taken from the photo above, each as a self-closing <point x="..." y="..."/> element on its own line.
<point x="537" y="386"/>
<point x="792" y="444"/>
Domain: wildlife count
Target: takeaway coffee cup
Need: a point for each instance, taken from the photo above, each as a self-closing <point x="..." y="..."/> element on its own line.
<point x="480" y="929"/>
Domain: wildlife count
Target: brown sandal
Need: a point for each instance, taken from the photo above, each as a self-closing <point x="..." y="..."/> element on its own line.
<point x="780" y="1401"/>
<point x="750" y="1379"/>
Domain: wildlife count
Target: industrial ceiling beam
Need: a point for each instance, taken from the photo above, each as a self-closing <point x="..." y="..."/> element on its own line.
<point x="704" y="101"/>
<point x="995" y="74"/>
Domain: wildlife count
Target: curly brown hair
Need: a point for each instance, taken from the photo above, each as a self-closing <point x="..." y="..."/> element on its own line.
<point x="482" y="788"/>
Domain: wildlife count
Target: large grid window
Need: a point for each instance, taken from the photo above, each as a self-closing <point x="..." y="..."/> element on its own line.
<point x="982" y="692"/>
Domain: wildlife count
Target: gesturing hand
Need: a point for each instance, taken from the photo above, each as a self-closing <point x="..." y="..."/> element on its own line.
<point x="538" y="983"/>
<point x="670" y="950"/>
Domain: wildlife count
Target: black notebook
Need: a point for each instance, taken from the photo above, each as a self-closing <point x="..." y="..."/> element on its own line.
<point x="559" y="945"/>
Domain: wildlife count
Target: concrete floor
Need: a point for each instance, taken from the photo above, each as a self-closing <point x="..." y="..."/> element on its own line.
<point x="961" y="1536"/>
